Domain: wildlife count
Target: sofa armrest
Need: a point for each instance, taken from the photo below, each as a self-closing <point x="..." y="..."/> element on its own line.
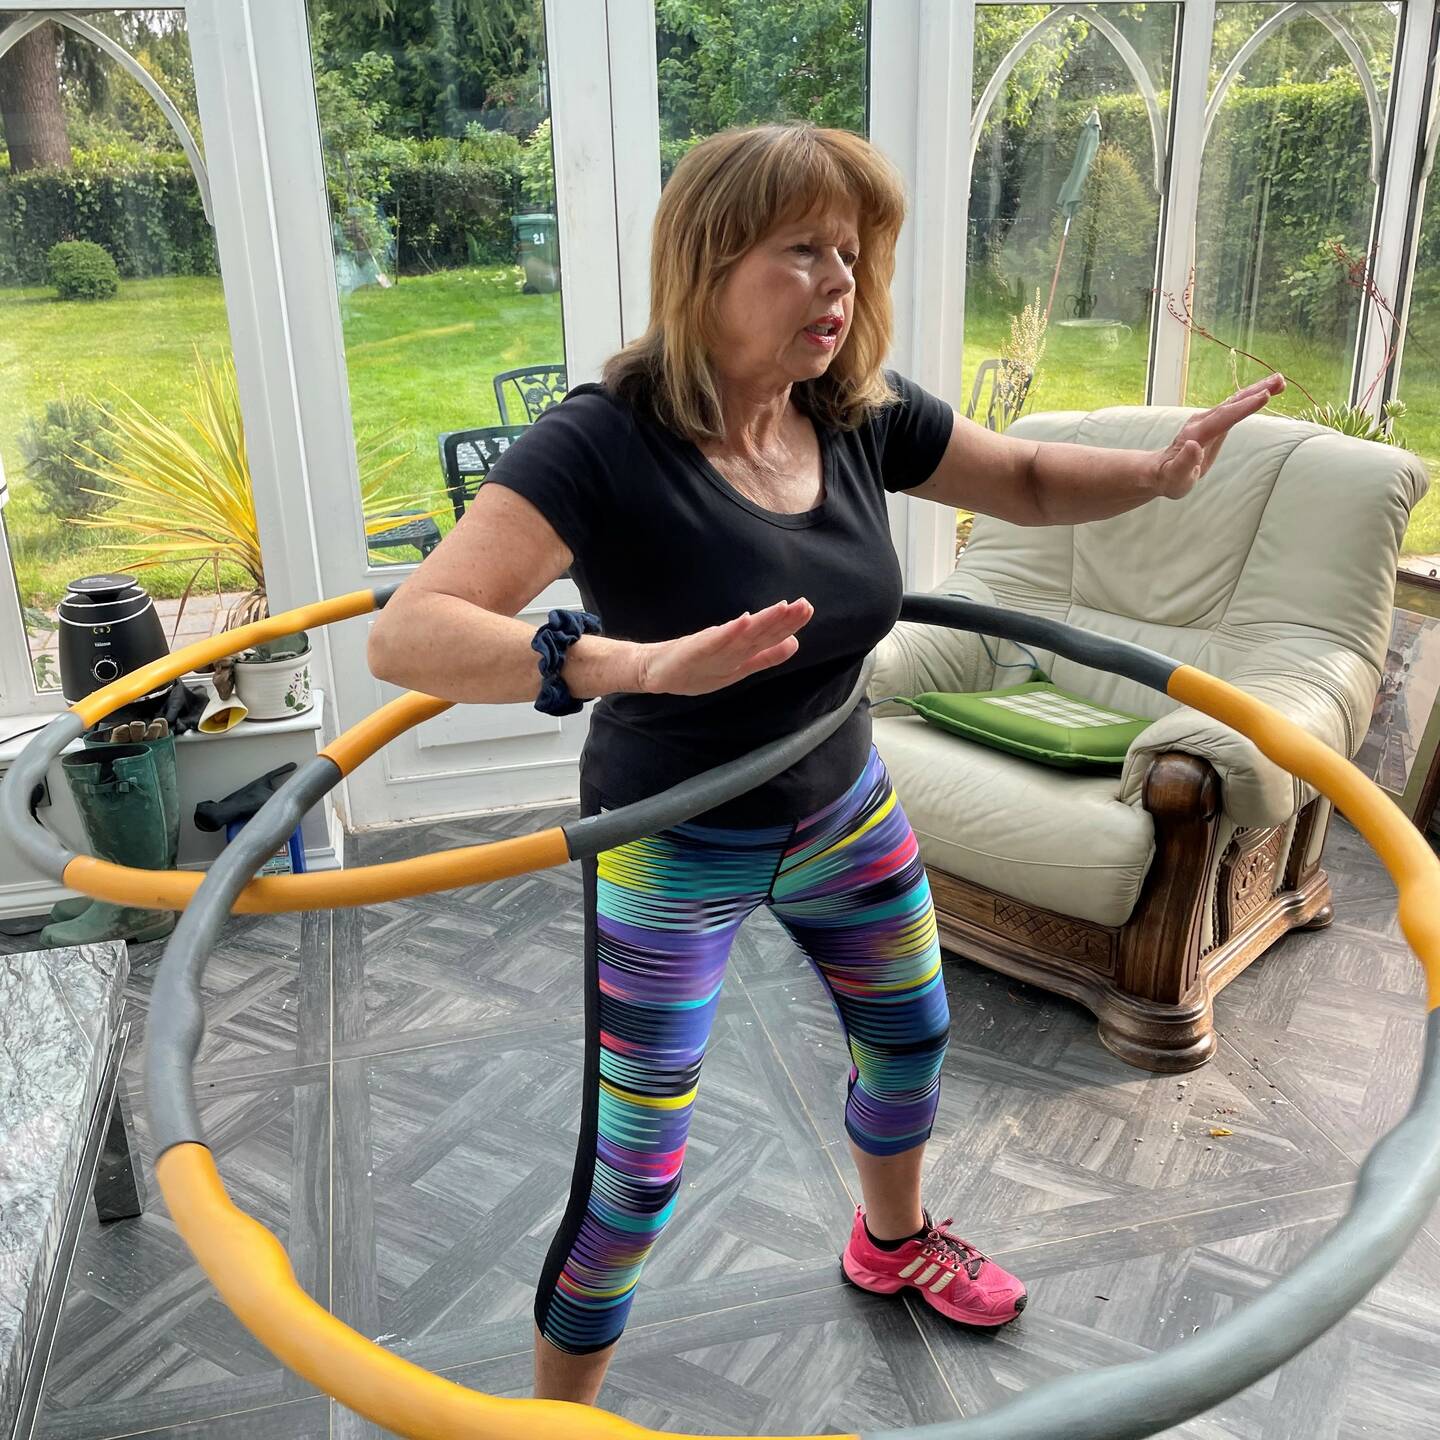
<point x="915" y="658"/>
<point x="1327" y="691"/>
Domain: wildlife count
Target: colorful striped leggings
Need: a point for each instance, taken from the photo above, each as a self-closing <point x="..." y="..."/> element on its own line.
<point x="849" y="886"/>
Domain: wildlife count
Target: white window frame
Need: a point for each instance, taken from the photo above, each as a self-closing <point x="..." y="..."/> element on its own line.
<point x="253" y="73"/>
<point x="18" y="696"/>
<point x="1408" y="180"/>
<point x="635" y="121"/>
<point x="921" y="54"/>
<point x="1190" y="77"/>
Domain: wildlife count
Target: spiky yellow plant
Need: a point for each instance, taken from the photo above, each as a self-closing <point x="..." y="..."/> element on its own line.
<point x="184" y="494"/>
<point x="1020" y="358"/>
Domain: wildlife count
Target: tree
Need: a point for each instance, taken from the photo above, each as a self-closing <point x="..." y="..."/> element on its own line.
<point x="455" y="61"/>
<point x="1113" y="237"/>
<point x="357" y="151"/>
<point x="30" y="107"/>
<point x="741" y="62"/>
<point x="102" y="99"/>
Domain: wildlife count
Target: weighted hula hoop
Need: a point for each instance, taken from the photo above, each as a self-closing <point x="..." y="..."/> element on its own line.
<point x="1397" y="1187"/>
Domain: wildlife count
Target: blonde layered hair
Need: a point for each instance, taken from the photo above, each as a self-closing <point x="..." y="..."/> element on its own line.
<point x="725" y="196"/>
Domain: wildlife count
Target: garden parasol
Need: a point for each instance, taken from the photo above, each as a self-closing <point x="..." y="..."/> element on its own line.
<point x="1068" y="200"/>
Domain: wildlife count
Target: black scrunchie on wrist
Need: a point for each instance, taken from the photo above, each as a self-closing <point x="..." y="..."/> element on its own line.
<point x="551" y="642"/>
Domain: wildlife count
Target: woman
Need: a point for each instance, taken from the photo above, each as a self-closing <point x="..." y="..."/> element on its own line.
<point x="720" y="501"/>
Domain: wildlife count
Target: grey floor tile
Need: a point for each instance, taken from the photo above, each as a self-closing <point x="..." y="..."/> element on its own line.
<point x="210" y="1417"/>
<point x="143" y="1339"/>
<point x="267" y="996"/>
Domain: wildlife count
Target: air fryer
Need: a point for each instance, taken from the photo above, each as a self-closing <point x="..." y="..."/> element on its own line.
<point x="108" y="628"/>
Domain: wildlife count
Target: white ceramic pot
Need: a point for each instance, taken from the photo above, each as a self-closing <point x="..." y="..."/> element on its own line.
<point x="274" y="689"/>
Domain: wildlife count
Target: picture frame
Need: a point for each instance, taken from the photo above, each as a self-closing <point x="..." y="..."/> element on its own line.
<point x="1401" y="751"/>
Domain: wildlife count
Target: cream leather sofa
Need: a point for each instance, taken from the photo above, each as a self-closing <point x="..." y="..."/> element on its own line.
<point x="1141" y="895"/>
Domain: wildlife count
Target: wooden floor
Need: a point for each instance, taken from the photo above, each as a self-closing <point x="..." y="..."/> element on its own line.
<point x="394" y="1092"/>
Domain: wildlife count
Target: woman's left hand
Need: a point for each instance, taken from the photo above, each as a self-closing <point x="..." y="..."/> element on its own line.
<point x="1192" y="452"/>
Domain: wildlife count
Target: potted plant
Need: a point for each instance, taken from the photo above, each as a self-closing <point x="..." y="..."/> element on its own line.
<point x="273" y="679"/>
<point x="183" y="494"/>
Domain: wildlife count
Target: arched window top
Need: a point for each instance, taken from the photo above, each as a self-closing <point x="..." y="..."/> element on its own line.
<point x="1345" y="38"/>
<point x="17" y="30"/>
<point x="1127" y="52"/>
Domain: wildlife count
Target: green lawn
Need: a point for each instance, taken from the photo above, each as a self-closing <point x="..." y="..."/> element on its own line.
<point x="421" y="356"/>
<point x="142" y="341"/>
<point x="1076" y="372"/>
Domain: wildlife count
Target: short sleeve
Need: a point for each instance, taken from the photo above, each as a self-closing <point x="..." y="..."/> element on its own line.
<point x="565" y="465"/>
<point x="913" y="433"/>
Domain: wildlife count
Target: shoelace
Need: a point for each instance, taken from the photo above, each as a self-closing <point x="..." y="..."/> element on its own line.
<point x="952" y="1251"/>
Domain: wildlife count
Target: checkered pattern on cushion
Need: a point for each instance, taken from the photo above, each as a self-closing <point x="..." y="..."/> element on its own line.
<point x="1059" y="709"/>
<point x="1038" y="721"/>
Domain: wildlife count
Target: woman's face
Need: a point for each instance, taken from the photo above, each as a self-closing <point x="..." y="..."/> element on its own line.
<point x="784" y="310"/>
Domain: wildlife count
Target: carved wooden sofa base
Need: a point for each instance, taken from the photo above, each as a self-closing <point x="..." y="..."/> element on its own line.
<point x="1151" y="982"/>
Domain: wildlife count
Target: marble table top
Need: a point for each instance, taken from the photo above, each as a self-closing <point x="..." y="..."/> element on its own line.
<point x="58" y="1013"/>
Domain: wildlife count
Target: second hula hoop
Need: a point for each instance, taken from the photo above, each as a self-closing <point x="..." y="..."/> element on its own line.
<point x="1398" y="1186"/>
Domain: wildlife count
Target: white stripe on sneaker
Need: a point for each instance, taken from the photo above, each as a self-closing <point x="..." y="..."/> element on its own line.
<point x="942" y="1282"/>
<point x="924" y="1277"/>
<point x="912" y="1267"/>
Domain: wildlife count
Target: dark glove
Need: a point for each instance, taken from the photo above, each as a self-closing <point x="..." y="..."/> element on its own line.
<point x="183" y="708"/>
<point x="240" y="804"/>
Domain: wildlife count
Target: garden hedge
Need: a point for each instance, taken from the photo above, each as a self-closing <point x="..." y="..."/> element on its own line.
<point x="149" y="219"/>
<point x="451" y="201"/>
<point x="1312" y="141"/>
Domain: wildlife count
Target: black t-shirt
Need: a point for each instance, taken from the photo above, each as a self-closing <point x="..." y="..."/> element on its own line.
<point x="664" y="546"/>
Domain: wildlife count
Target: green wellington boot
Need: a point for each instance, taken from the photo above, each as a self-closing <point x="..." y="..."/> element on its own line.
<point x="69" y="909"/>
<point x="164" y="752"/>
<point x="128" y="798"/>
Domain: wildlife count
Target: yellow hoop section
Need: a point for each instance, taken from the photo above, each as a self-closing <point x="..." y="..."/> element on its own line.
<point x="138" y="683"/>
<point x="327" y="889"/>
<point x="248" y="1265"/>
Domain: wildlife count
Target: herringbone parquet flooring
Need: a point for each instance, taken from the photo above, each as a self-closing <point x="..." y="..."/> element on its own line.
<point x="395" y="1092"/>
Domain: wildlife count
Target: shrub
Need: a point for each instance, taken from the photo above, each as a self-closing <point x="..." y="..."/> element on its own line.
<point x="143" y="208"/>
<point x="57" y="446"/>
<point x="82" y="270"/>
<point x="1113" y="237"/>
<point x="1318" y="291"/>
<point x="537" y="170"/>
<point x="186" y="487"/>
<point x="451" y="202"/>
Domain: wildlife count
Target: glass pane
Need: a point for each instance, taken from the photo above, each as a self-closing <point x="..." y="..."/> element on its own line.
<point x="1065" y="198"/>
<point x="746" y="62"/>
<point x="1286" y="195"/>
<point x="1419" y="384"/>
<point x="108" y="342"/>
<point x="435" y="126"/>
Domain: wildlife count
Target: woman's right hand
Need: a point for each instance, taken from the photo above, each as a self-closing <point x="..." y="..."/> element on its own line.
<point x="711" y="659"/>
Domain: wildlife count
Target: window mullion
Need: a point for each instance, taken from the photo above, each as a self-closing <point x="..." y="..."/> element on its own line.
<point x="1170" y="350"/>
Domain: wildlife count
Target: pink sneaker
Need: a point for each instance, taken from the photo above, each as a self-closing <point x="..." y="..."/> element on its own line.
<point x="951" y="1275"/>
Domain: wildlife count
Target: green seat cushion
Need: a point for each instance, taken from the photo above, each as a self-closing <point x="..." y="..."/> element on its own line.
<point x="1037" y="720"/>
